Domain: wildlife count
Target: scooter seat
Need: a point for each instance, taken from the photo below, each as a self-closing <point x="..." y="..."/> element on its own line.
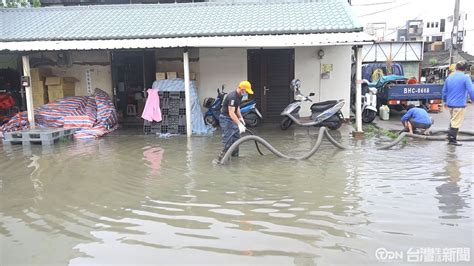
<point x="321" y="106"/>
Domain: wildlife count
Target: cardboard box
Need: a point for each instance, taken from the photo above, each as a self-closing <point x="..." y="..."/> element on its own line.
<point x="171" y="75"/>
<point x="192" y="75"/>
<point x="60" y="87"/>
<point x="54" y="94"/>
<point x="39" y="74"/>
<point x="59" y="80"/>
<point x="39" y="99"/>
<point x="65" y="86"/>
<point x="160" y="75"/>
<point x="38" y="86"/>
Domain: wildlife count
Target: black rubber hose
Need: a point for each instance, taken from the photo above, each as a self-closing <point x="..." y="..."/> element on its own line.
<point x="256" y="143"/>
<point x="322" y="132"/>
<point x="436" y="138"/>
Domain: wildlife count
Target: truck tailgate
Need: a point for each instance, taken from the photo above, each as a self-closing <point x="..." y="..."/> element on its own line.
<point x="413" y="92"/>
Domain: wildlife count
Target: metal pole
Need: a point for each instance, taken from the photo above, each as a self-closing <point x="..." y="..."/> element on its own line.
<point x="358" y="88"/>
<point x="187" y="93"/>
<point x="454" y="34"/>
<point x="29" y="94"/>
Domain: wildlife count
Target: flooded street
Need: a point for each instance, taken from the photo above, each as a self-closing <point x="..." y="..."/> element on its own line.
<point x="127" y="199"/>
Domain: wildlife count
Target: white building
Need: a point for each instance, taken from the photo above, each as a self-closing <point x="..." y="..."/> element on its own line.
<point x="267" y="43"/>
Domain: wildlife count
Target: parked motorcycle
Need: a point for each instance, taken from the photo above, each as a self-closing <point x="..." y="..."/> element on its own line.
<point x="327" y="114"/>
<point x="250" y="113"/>
<point x="211" y="117"/>
<point x="369" y="102"/>
<point x="248" y="109"/>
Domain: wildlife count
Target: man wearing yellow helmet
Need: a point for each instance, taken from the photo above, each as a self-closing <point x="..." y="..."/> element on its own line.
<point x="231" y="121"/>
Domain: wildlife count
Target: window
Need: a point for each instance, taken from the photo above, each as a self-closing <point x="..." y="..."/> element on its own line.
<point x="436" y="25"/>
<point x="437" y="38"/>
<point x="432" y="24"/>
<point x="427" y="38"/>
<point x="442" y="25"/>
<point x="427" y="24"/>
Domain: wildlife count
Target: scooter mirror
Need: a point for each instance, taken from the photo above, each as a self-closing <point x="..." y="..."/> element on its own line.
<point x="311" y="94"/>
<point x="295" y="84"/>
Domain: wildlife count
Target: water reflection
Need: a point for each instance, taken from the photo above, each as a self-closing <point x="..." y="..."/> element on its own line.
<point x="137" y="200"/>
<point x="153" y="155"/>
<point x="451" y="202"/>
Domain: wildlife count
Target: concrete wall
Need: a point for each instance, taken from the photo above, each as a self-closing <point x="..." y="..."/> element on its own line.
<point x="226" y="66"/>
<point x="229" y="67"/>
<point x="172" y="60"/>
<point x="308" y="69"/>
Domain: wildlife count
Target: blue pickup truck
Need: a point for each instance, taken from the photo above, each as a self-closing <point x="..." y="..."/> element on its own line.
<point x="394" y="92"/>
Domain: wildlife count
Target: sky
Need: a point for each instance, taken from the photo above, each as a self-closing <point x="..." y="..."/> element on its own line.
<point x="396" y="12"/>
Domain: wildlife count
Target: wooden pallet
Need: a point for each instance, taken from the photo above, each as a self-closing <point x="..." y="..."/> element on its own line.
<point x="43" y="136"/>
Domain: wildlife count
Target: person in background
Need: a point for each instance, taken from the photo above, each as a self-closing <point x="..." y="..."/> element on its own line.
<point x="455" y="90"/>
<point x="230" y="119"/>
<point x="416" y="118"/>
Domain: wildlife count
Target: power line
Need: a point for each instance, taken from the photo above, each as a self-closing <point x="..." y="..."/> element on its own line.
<point x="384" y="10"/>
<point x="374" y="4"/>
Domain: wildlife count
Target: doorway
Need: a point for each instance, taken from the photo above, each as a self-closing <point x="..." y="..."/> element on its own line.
<point x="132" y="73"/>
<point x="270" y="73"/>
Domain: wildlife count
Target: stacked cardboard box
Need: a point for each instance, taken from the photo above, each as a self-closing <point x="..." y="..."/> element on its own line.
<point x="192" y="75"/>
<point x="173" y="75"/>
<point x="38" y="88"/>
<point x="60" y="87"/>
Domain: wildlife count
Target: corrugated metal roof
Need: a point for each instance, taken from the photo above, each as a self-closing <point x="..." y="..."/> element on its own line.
<point x="260" y="41"/>
<point x="175" y="20"/>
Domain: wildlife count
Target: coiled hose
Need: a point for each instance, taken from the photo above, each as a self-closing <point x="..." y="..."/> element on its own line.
<point x="403" y="135"/>
<point x="322" y="132"/>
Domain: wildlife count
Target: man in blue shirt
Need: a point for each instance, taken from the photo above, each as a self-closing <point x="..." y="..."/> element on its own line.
<point x="455" y="90"/>
<point x="416" y="118"/>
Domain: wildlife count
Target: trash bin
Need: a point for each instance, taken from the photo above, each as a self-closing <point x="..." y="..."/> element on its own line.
<point x="384" y="112"/>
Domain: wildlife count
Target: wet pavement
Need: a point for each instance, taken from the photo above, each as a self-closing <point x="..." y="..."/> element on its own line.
<point x="132" y="199"/>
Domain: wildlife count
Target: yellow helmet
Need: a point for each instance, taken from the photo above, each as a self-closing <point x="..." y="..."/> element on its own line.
<point x="247" y="86"/>
<point x="452" y="67"/>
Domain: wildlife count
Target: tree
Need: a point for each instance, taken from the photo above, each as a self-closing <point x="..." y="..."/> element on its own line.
<point x="433" y="61"/>
<point x="20" y="3"/>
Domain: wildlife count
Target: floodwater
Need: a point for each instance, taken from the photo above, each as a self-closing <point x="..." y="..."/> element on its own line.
<point x="133" y="200"/>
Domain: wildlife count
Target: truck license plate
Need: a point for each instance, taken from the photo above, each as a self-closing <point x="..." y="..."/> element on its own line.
<point x="415" y="103"/>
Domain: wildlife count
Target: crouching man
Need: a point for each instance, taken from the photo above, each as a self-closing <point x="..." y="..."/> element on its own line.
<point x="416" y="118"/>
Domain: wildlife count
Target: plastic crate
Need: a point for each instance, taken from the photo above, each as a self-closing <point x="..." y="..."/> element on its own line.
<point x="182" y="103"/>
<point x="172" y="120"/>
<point x="151" y="127"/>
<point x="182" y="120"/>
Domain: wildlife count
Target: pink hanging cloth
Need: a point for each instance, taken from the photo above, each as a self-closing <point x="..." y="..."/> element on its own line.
<point x="152" y="111"/>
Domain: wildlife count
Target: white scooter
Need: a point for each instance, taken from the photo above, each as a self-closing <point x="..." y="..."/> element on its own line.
<point x="323" y="114"/>
<point x="369" y="102"/>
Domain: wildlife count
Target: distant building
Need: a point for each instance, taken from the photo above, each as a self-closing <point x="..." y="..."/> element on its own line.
<point x="413" y="31"/>
<point x="435" y="31"/>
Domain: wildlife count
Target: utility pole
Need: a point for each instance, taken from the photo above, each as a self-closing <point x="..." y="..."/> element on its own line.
<point x="454" y="34"/>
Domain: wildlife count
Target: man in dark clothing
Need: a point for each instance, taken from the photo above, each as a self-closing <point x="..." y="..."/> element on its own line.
<point x="416" y="118"/>
<point x="231" y="121"/>
<point x="455" y="90"/>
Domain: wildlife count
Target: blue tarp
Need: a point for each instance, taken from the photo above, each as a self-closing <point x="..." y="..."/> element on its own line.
<point x="197" y="119"/>
<point x="384" y="79"/>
